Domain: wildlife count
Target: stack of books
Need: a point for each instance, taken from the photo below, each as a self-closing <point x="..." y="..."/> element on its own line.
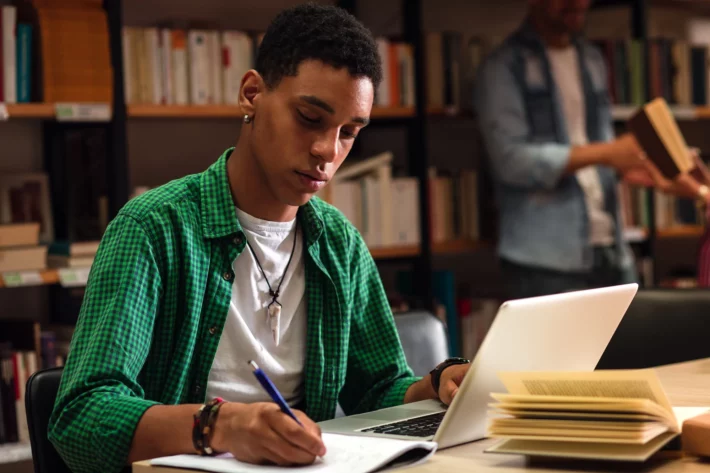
<point x="619" y="415"/>
<point x="20" y="249"/>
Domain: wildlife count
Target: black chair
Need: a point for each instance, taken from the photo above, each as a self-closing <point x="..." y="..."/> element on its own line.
<point x="40" y="394"/>
<point x="662" y="326"/>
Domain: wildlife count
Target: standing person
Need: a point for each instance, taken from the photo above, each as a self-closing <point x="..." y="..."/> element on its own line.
<point x="544" y="113"/>
<point x="241" y="262"/>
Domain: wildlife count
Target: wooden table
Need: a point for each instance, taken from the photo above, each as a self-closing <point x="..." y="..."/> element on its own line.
<point x="687" y="384"/>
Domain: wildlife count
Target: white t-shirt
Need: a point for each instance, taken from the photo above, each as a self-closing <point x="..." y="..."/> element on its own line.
<point x="565" y="70"/>
<point x="247" y="333"/>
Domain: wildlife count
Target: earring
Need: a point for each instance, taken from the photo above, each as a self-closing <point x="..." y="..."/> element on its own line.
<point x="247" y="119"/>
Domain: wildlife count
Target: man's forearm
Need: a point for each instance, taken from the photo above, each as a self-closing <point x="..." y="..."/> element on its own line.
<point x="420" y="391"/>
<point x="588" y="155"/>
<point x="163" y="431"/>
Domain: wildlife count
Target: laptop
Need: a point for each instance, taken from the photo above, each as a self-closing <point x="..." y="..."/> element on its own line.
<point x="562" y="332"/>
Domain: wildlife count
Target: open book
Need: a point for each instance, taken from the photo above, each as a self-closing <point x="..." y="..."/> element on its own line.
<point x="606" y="415"/>
<point x="353" y="454"/>
<point x="657" y="132"/>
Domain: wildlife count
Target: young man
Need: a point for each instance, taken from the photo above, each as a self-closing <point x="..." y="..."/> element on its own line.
<point x="546" y="122"/>
<point x="240" y="263"/>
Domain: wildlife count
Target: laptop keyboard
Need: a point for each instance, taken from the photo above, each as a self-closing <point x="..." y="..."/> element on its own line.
<point x="417" y="427"/>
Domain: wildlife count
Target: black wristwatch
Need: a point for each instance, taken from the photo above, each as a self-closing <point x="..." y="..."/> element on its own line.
<point x="436" y="372"/>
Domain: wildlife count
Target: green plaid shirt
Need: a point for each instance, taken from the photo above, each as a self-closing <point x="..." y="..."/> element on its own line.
<point x="157" y="299"/>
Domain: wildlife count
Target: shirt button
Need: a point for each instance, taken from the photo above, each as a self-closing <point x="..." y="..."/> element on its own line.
<point x="228" y="276"/>
<point x="238" y="240"/>
<point x="198" y="388"/>
<point x="213" y="330"/>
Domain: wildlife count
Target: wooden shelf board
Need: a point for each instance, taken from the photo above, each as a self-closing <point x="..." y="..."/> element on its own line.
<point x="30" y="110"/>
<point x="15" y="452"/>
<point x="232" y="111"/>
<point x="448" y="112"/>
<point x="49" y="276"/>
<point x="681" y="231"/>
<point x="392" y="112"/>
<point x="184" y="111"/>
<point x="457" y="246"/>
<point x="389" y="252"/>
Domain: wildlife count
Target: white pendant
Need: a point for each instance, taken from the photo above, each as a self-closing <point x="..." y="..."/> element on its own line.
<point x="275" y="321"/>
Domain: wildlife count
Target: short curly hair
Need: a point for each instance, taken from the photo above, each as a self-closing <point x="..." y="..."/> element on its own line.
<point x="325" y="33"/>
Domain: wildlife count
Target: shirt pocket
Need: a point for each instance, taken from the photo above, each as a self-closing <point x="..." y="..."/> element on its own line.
<point x="541" y="113"/>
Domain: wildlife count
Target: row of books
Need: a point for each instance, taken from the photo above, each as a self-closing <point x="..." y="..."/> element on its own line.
<point x="164" y="66"/>
<point x="384" y="209"/>
<point x="24" y="349"/>
<point x="451" y="69"/>
<point x="75" y="61"/>
<point x="398" y="84"/>
<point x="20" y="250"/>
<point x="454" y="205"/>
<point x="675" y="70"/>
<point x="15" y="57"/>
<point x="669" y="211"/>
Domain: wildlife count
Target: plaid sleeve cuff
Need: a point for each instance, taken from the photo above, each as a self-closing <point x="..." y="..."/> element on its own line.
<point x="395" y="394"/>
<point x="114" y="435"/>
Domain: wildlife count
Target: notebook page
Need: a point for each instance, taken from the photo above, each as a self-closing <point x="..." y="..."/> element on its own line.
<point x="354" y="454"/>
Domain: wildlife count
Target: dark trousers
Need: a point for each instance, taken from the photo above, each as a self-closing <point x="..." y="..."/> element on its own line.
<point x="529" y="281"/>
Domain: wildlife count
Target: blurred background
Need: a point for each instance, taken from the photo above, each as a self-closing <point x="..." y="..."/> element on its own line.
<point x="102" y="100"/>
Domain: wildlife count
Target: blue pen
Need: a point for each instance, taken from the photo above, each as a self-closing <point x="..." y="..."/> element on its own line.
<point x="272" y="391"/>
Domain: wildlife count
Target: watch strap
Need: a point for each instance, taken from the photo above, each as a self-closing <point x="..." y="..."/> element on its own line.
<point x="436" y="372"/>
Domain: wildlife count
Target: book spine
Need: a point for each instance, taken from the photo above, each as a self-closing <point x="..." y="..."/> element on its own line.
<point x="128" y="70"/>
<point x="166" y="53"/>
<point x="230" y="67"/>
<point x="153" y="48"/>
<point x="181" y="87"/>
<point x="24" y="62"/>
<point x="199" y="67"/>
<point x="9" y="46"/>
<point x="215" y="49"/>
<point x="382" y="97"/>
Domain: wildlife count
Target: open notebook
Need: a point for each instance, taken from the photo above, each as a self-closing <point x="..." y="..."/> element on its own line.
<point x="606" y="415"/>
<point x="352" y="454"/>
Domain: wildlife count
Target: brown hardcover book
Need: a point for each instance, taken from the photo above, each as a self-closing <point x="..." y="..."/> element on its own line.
<point x="23" y="258"/>
<point x="21" y="234"/>
<point x="657" y="132"/>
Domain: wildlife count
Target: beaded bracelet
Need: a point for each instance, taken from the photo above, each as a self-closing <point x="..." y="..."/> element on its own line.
<point x="203" y="426"/>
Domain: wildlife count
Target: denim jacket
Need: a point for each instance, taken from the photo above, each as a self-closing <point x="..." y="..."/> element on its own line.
<point x="543" y="215"/>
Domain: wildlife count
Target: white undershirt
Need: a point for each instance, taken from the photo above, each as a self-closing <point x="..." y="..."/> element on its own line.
<point x="247" y="334"/>
<point x="565" y="70"/>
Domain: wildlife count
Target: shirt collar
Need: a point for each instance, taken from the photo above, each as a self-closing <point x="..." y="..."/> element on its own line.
<point x="219" y="216"/>
<point x="526" y="34"/>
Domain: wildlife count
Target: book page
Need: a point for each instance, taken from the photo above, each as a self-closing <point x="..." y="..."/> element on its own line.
<point x="354" y="454"/>
<point x="665" y="125"/>
<point x="631" y="384"/>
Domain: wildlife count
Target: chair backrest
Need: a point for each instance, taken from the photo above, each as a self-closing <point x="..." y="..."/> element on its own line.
<point x="661" y="326"/>
<point x="424" y="340"/>
<point x="40" y="395"/>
